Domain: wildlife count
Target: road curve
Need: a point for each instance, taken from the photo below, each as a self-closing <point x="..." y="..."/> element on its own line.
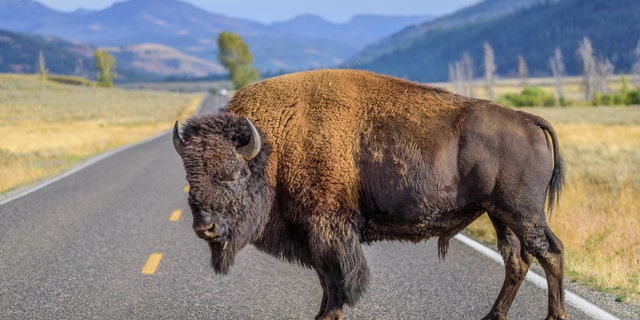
<point x="76" y="249"/>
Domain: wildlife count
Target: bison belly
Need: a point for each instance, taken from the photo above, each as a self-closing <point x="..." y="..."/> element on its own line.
<point x="409" y="193"/>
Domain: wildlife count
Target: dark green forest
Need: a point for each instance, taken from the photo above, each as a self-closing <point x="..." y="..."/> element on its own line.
<point x="613" y="26"/>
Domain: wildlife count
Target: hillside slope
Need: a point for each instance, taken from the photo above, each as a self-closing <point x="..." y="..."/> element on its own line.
<point x="483" y="11"/>
<point x="19" y="53"/>
<point x="613" y="26"/>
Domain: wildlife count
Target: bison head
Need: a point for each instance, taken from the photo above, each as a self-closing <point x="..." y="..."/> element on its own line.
<point x="225" y="159"/>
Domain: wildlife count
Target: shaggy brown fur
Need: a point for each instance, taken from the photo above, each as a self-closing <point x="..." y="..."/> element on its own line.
<point x="359" y="157"/>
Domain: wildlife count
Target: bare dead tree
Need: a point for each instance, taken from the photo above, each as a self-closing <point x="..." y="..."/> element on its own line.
<point x="456" y="77"/>
<point x="635" y="69"/>
<point x="452" y="74"/>
<point x="523" y="71"/>
<point x="604" y="69"/>
<point x="467" y="69"/>
<point x="461" y="75"/>
<point x="557" y="69"/>
<point x="585" y="51"/>
<point x="489" y="68"/>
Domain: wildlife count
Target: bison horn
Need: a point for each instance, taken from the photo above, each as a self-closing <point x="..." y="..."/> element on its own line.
<point x="177" y="141"/>
<point x="252" y="148"/>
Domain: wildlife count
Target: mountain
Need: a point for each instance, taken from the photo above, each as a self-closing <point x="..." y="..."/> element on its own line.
<point x="360" y="30"/>
<point x="19" y="53"/>
<point x="159" y="61"/>
<point x="613" y="26"/>
<point x="26" y="16"/>
<point x="194" y="31"/>
<point x="483" y="11"/>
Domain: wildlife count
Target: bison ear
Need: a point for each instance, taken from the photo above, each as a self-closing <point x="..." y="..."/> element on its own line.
<point x="252" y="148"/>
<point x="177" y="141"/>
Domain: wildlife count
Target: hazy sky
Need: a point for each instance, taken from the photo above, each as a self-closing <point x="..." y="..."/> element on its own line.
<point x="278" y="10"/>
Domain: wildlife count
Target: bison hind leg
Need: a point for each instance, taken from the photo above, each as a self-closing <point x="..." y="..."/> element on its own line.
<point x="537" y="240"/>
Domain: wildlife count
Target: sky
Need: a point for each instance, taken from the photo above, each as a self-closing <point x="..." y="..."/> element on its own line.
<point x="267" y="11"/>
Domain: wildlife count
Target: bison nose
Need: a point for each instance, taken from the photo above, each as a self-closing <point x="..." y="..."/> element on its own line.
<point x="208" y="230"/>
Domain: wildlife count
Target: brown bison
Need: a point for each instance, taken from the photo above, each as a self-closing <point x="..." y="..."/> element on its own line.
<point x="337" y="158"/>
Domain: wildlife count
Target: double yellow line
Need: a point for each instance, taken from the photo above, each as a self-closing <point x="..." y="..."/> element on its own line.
<point x="154" y="259"/>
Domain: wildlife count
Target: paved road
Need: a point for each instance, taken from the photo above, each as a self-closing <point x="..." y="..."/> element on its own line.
<point x="75" y="249"/>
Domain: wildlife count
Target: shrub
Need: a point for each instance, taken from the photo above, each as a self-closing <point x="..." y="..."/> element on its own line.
<point x="531" y="96"/>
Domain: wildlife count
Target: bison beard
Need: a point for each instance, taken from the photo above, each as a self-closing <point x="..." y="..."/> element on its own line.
<point x="222" y="259"/>
<point x="359" y="157"/>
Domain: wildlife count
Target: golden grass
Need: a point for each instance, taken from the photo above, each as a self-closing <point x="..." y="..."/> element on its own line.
<point x="45" y="127"/>
<point x="598" y="218"/>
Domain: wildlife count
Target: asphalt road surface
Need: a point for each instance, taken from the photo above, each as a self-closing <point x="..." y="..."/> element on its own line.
<point x="76" y="249"/>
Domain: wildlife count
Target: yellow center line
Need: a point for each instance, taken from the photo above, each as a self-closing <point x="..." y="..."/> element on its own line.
<point x="175" y="215"/>
<point x="152" y="264"/>
<point x="186" y="188"/>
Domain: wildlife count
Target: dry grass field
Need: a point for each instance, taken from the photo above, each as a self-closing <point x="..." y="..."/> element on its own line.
<point x="46" y="127"/>
<point x="598" y="218"/>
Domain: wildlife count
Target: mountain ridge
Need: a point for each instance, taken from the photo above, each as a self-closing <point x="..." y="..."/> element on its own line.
<point x="182" y="26"/>
<point x="613" y="26"/>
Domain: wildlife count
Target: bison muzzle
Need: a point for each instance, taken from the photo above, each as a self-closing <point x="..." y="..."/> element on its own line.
<point x="332" y="159"/>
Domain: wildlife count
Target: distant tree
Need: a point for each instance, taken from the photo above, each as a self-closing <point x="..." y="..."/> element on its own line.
<point x="604" y="69"/>
<point x="557" y="69"/>
<point x="42" y="69"/>
<point x="461" y="75"/>
<point x="635" y="69"/>
<point x="234" y="55"/>
<point x="106" y="65"/>
<point x="585" y="52"/>
<point x="467" y="72"/>
<point x="523" y="71"/>
<point x="489" y="68"/>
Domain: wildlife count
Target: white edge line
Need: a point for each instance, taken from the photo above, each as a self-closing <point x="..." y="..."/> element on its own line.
<point x="570" y="297"/>
<point x="90" y="161"/>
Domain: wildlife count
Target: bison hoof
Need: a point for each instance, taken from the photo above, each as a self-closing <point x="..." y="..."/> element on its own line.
<point x="330" y="315"/>
<point x="492" y="316"/>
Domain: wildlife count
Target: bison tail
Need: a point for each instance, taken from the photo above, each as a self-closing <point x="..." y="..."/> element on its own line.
<point x="554" y="189"/>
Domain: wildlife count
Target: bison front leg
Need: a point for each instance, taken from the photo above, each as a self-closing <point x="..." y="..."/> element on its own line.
<point x="323" y="304"/>
<point x="341" y="266"/>
<point x="516" y="262"/>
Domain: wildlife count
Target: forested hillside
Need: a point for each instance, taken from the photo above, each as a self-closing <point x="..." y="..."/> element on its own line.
<point x="613" y="26"/>
<point x="483" y="11"/>
<point x="19" y="53"/>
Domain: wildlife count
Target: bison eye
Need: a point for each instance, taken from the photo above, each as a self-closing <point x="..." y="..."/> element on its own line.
<point x="230" y="176"/>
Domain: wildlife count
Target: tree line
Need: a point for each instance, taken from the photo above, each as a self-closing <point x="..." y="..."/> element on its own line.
<point x="595" y="75"/>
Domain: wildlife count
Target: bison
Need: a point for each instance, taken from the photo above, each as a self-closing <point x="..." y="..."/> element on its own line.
<point x="310" y="165"/>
